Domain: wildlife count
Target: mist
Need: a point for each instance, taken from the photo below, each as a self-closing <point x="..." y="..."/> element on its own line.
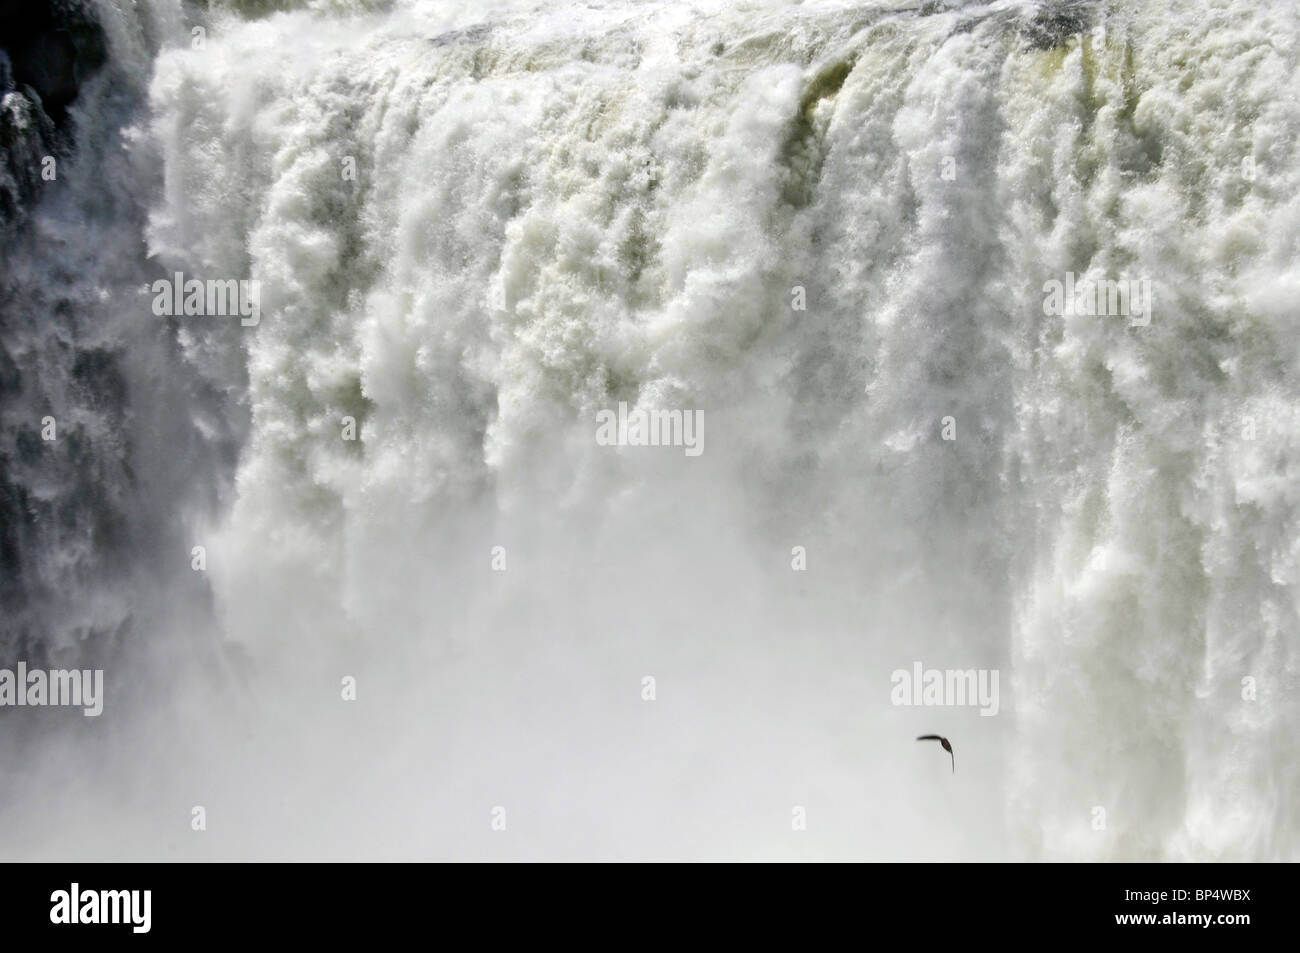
<point x="366" y="580"/>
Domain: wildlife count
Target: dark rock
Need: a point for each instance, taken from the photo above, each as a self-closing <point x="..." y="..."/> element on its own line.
<point x="53" y="47"/>
<point x="48" y="50"/>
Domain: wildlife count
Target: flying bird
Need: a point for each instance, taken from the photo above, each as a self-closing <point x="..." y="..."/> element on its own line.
<point x="946" y="747"/>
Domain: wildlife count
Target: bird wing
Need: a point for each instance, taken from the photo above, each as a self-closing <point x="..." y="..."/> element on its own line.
<point x="929" y="737"/>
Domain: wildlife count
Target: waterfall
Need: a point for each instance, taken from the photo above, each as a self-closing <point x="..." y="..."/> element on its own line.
<point x="831" y="231"/>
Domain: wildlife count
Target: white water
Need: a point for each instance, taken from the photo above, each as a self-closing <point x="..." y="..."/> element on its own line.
<point x="559" y="207"/>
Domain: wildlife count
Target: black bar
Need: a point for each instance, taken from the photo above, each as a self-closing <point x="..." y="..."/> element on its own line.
<point x="980" y="903"/>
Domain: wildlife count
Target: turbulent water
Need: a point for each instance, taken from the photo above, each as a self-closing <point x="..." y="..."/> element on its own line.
<point x="476" y="226"/>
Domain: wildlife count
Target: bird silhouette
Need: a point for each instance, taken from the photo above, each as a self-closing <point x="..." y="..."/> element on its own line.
<point x="946" y="747"/>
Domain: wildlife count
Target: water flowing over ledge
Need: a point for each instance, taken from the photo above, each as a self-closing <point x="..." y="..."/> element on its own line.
<point x="829" y="228"/>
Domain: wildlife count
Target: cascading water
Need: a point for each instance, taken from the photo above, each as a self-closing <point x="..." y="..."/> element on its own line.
<point x="829" y="227"/>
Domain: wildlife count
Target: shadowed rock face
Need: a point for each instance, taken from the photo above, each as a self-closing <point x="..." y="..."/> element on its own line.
<point x="48" y="49"/>
<point x="53" y="47"/>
